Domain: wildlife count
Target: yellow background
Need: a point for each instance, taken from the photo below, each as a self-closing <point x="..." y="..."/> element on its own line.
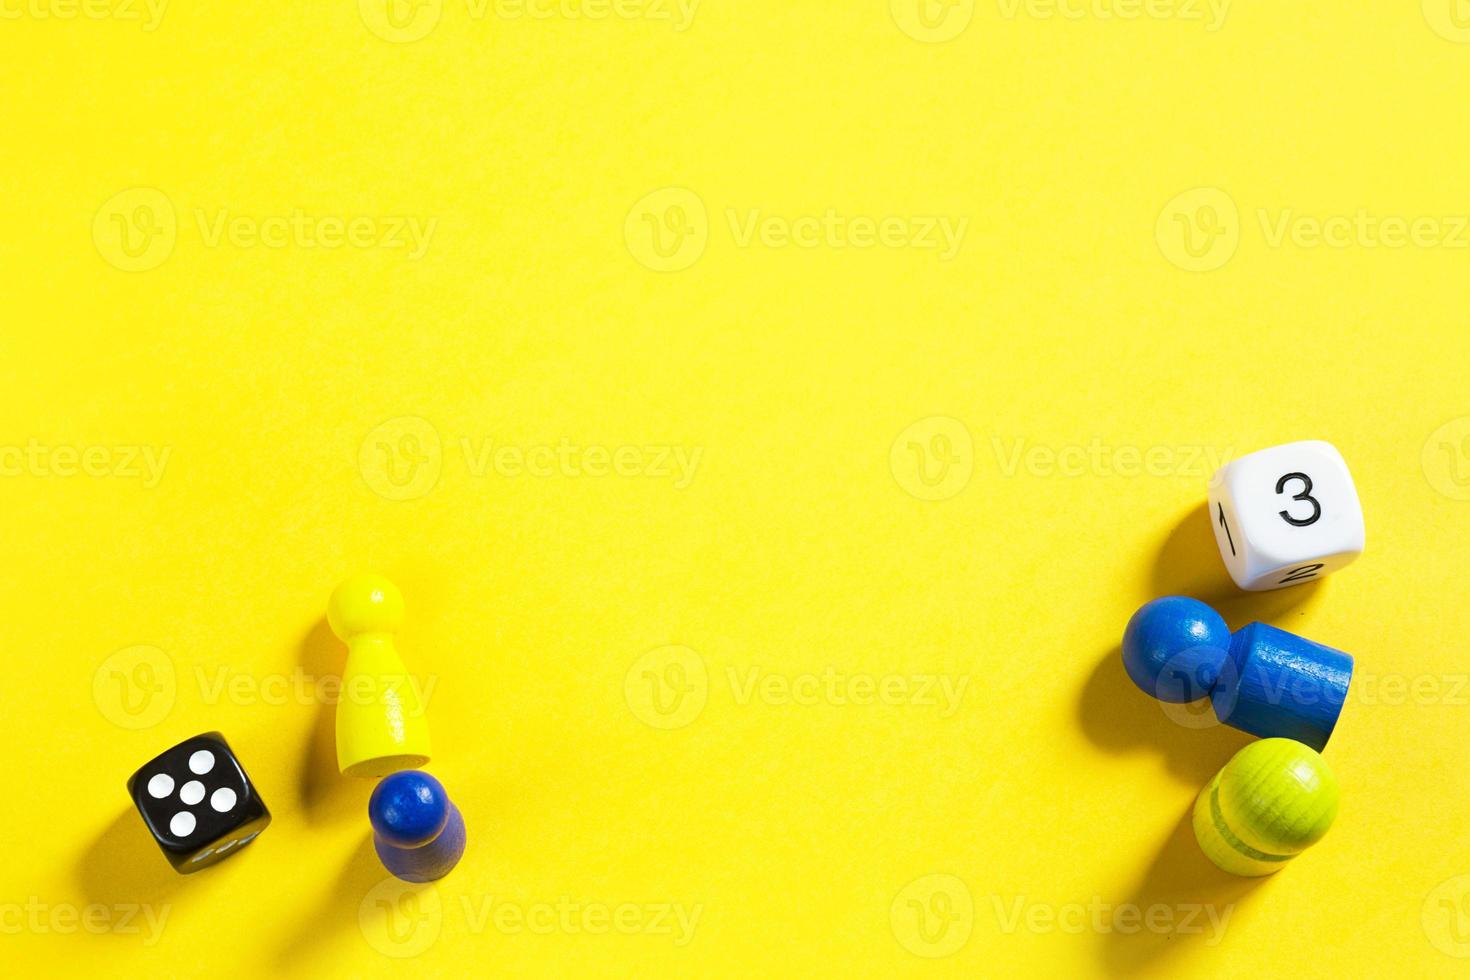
<point x="296" y="388"/>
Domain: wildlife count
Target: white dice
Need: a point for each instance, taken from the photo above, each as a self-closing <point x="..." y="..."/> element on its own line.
<point x="1286" y="515"/>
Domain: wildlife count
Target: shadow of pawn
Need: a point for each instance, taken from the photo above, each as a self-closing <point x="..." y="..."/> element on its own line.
<point x="326" y="795"/>
<point x="1183" y="901"/>
<point x="1119" y="718"/>
<point x="340" y="907"/>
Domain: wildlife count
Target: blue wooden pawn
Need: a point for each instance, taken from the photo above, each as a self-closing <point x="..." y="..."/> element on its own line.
<point x="1260" y="679"/>
<point x="417" y="832"/>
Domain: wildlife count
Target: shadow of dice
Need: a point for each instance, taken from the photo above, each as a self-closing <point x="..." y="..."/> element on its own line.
<point x="1286" y="515"/>
<point x="198" y="803"/>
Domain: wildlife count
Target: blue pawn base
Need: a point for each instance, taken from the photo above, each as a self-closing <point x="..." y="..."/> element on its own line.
<point x="430" y="862"/>
<point x="1279" y="685"/>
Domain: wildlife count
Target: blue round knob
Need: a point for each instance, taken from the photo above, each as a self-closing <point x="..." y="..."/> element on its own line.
<point x="1175" y="648"/>
<point x="409" y="808"/>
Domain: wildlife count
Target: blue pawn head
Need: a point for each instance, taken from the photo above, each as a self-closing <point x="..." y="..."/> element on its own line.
<point x="409" y="808"/>
<point x="1174" y="649"/>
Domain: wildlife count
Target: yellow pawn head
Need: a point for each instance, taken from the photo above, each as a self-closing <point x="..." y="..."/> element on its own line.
<point x="381" y="726"/>
<point x="365" y="603"/>
<point x="1272" y="801"/>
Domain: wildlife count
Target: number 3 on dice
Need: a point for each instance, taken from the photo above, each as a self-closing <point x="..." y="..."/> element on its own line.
<point x="1286" y="515"/>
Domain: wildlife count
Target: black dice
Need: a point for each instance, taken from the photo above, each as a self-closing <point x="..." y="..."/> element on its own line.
<point x="198" y="803"/>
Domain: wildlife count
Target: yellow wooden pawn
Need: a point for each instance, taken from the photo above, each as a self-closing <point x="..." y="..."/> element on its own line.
<point x="1271" y="802"/>
<point x="381" y="726"/>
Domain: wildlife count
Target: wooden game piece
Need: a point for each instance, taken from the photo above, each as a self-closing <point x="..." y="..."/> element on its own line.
<point x="1286" y="515"/>
<point x="1277" y="684"/>
<point x="1271" y="802"/>
<point x="1176" y="650"/>
<point x="381" y="726"/>
<point x="198" y="803"/>
<point x="1260" y="679"/>
<point x="418" y="832"/>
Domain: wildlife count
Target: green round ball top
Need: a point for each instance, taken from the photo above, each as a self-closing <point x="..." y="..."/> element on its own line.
<point x="1278" y="796"/>
<point x="365" y="603"/>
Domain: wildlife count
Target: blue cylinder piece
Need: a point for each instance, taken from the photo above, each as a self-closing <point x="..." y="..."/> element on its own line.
<point x="1279" y="685"/>
<point x="417" y="831"/>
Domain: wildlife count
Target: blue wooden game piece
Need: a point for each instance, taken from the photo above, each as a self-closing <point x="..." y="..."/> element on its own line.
<point x="1261" y="680"/>
<point x="418" y="833"/>
<point x="1175" y="647"/>
<point x="1279" y="685"/>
